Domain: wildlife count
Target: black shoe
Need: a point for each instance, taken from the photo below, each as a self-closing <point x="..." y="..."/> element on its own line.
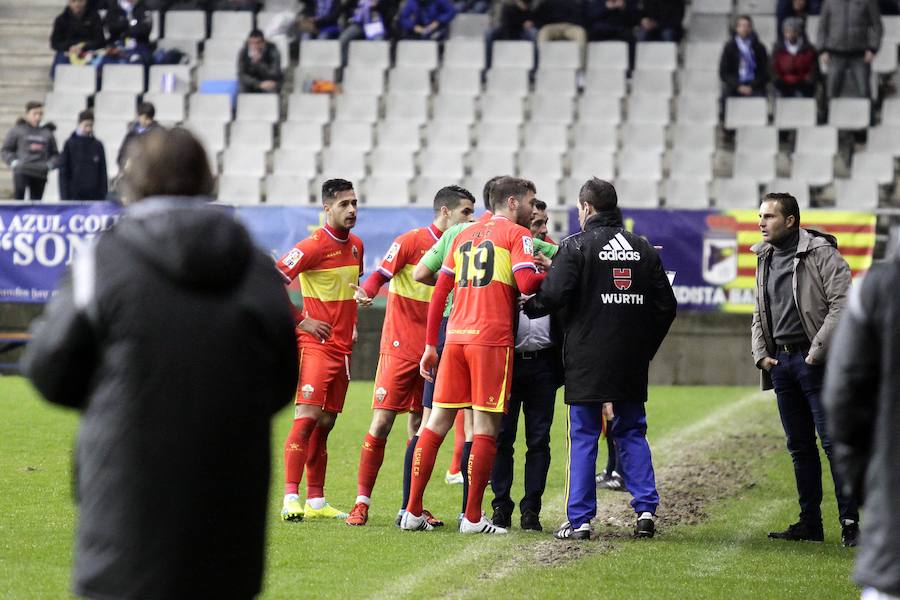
<point x="800" y="531"/>
<point x="502" y="518"/>
<point x="849" y="533"/>
<point x="530" y="521"/>
<point x="645" y="527"/>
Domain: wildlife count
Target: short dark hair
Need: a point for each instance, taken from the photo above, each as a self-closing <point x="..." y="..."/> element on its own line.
<point x="86" y="115"/>
<point x="332" y="187"/>
<point x="33" y="104"/>
<point x="146" y="109"/>
<point x="598" y="193"/>
<point x="505" y="187"/>
<point x="746" y="17"/>
<point x="450" y="196"/>
<point x="787" y="205"/>
<point x="486" y="191"/>
<point x="256" y="33"/>
<point x="167" y="162"/>
<point x="540" y="204"/>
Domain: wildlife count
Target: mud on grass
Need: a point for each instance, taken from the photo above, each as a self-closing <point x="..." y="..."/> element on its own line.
<point x="689" y="483"/>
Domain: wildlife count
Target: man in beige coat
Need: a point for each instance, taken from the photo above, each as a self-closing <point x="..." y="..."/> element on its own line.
<point x="801" y="287"/>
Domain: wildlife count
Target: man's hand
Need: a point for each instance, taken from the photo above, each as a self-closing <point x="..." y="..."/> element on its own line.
<point x="428" y="363"/>
<point x="320" y="329"/>
<point x="608" y="413"/>
<point x="825" y="58"/>
<point x="810" y="360"/>
<point x="766" y="363"/>
<point x="869" y="56"/>
<point x="744" y="90"/>
<point x="419" y="29"/>
<point x="268" y="85"/>
<point x="359" y="294"/>
<point x="543" y="262"/>
<point x="648" y="23"/>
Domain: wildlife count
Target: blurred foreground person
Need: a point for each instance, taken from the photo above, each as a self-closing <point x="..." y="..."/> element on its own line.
<point x="801" y="287"/>
<point x="864" y="421"/>
<point x="174" y="337"/>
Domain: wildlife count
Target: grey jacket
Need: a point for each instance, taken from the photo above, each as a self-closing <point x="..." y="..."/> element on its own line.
<point x="820" y="282"/>
<point x="174" y="337"/>
<point x="862" y="398"/>
<point x="32" y="149"/>
<point x="850" y="26"/>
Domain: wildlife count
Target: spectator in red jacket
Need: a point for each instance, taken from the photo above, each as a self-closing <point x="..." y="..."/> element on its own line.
<point x="795" y="64"/>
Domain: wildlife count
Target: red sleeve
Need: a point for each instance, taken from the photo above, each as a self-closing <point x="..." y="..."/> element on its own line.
<point x="521" y="250"/>
<point x="299" y="258"/>
<point x="528" y="281"/>
<point x="373" y="283"/>
<point x="436" y="307"/>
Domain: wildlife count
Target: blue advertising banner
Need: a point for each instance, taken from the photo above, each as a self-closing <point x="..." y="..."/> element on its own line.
<point x="38" y="241"/>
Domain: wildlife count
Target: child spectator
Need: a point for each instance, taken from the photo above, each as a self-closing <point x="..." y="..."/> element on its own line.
<point x="82" y="164"/>
<point x="30" y="149"/>
<point x="144" y="124"/>
<point x="794" y="62"/>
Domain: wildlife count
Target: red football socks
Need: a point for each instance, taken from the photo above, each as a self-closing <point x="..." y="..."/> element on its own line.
<point x="423" y="464"/>
<point x="317" y="463"/>
<point x="459" y="439"/>
<point x="370" y="458"/>
<point x="481" y="461"/>
<point x="295" y="451"/>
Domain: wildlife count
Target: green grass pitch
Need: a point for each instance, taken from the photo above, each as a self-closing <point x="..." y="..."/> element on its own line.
<point x="724" y="477"/>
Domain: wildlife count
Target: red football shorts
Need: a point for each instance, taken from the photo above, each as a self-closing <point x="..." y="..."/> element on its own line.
<point x="476" y="376"/>
<point x="398" y="385"/>
<point x="323" y="381"/>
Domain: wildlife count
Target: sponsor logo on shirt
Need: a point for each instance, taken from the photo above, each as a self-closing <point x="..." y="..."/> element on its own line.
<point x="292" y="258"/>
<point x="307" y="391"/>
<point x="618" y="248"/>
<point x="380" y="395"/>
<point x="622" y="298"/>
<point x="528" y="245"/>
<point x="622" y="279"/>
<point x="392" y="252"/>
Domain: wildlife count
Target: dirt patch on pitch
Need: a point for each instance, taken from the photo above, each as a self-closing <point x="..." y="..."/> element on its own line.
<point x="689" y="482"/>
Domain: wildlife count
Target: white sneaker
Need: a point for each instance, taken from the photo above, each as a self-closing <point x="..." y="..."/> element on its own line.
<point x="567" y="532"/>
<point x="453" y="478"/>
<point x="482" y="526"/>
<point x="410" y="522"/>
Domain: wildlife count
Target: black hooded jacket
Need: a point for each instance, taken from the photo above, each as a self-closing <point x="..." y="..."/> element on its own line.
<point x="82" y="169"/>
<point x="70" y="29"/>
<point x="616" y="307"/>
<point x="174" y="336"/>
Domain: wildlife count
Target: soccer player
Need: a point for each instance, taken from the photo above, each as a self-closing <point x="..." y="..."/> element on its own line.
<point x="489" y="262"/>
<point x="327" y="262"/>
<point x="398" y="385"/>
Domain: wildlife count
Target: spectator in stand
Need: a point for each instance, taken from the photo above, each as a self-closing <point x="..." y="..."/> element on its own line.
<point x="82" y="164"/>
<point x="366" y="20"/>
<point x="253" y="5"/>
<point x="849" y="36"/>
<point x="661" y="21"/>
<point x="561" y="20"/>
<point x="795" y="65"/>
<point x="426" y="19"/>
<point x="129" y="24"/>
<point x="259" y="65"/>
<point x="30" y="150"/>
<point x="77" y="35"/>
<point x="515" y="22"/>
<point x="612" y="20"/>
<point x="799" y="9"/>
<point x="744" y="66"/>
<point x="319" y="19"/>
<point x="144" y="124"/>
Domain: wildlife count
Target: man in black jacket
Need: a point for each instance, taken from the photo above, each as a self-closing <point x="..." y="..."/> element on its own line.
<point x="861" y="398"/>
<point x="129" y="23"/>
<point x="77" y="33"/>
<point x="618" y="306"/>
<point x="744" y="66"/>
<point x="259" y="65"/>
<point x="174" y="336"/>
<point x="82" y="164"/>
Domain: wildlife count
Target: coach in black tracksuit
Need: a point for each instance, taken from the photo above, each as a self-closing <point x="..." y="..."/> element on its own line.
<point x="617" y="306"/>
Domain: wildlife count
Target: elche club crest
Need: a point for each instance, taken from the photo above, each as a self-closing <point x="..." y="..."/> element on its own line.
<point x="307" y="391"/>
<point x="380" y="394"/>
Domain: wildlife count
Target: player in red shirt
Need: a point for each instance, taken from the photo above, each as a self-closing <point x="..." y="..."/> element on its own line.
<point x="398" y="385"/>
<point x="328" y="262"/>
<point x="491" y="263"/>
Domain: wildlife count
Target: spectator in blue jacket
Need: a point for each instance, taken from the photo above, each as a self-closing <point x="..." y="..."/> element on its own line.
<point x="426" y="19"/>
<point x="82" y="164"/>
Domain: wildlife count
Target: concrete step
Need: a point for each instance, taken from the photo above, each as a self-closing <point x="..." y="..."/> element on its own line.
<point x="17" y="94"/>
<point x="25" y="74"/>
<point x="38" y="58"/>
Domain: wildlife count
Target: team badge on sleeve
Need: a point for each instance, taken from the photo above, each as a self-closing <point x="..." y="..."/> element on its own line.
<point x="307" y="391"/>
<point x="355" y="252"/>
<point x="392" y="252"/>
<point x="292" y="258"/>
<point x="528" y="245"/>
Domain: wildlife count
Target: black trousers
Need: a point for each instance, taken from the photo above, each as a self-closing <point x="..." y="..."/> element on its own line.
<point x="34" y="185"/>
<point x="533" y="392"/>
